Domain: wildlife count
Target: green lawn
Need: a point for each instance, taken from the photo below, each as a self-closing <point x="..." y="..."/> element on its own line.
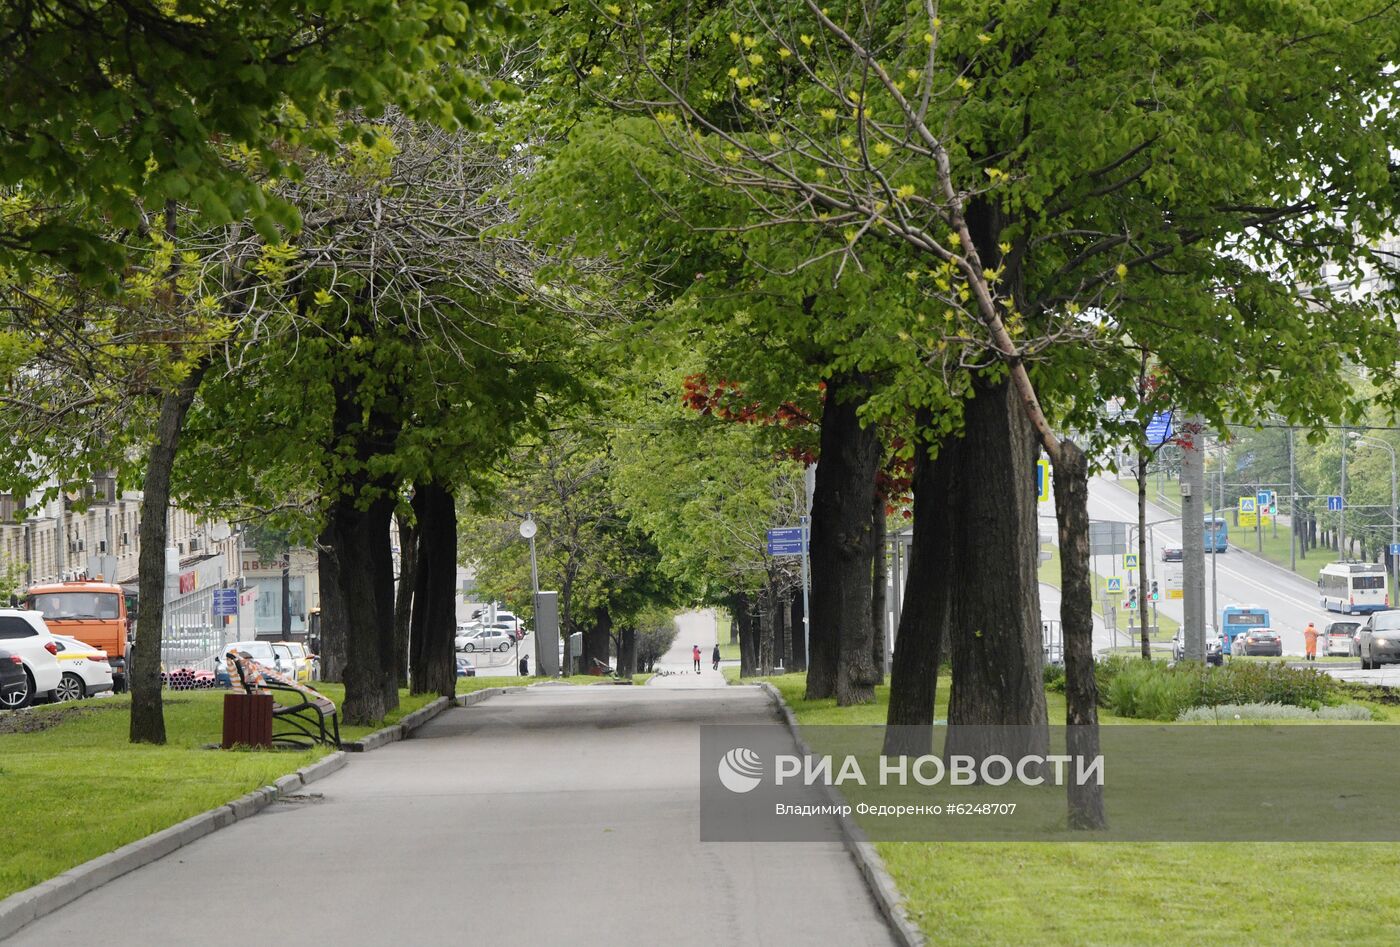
<point x="1121" y="893"/>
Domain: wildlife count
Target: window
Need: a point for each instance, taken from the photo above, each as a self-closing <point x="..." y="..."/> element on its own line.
<point x="1368" y="581"/>
<point x="58" y="606"/>
<point x="12" y="627"/>
<point x="267" y="607"/>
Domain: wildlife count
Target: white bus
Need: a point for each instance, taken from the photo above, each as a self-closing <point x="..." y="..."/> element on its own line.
<point x="1353" y="587"/>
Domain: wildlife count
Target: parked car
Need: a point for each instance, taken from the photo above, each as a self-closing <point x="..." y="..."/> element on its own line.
<point x="465" y="668"/>
<point x="1378" y="642"/>
<point x="13" y="681"/>
<point x="1171" y="553"/>
<point x="489" y="639"/>
<point x="1339" y="637"/>
<point x="86" y="670"/>
<point x="263" y="653"/>
<point x="295" y="655"/>
<point x="23" y="633"/>
<point x="1258" y="642"/>
<point x="503" y="617"/>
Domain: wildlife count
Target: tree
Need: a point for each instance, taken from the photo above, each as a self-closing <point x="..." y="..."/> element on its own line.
<point x="110" y="108"/>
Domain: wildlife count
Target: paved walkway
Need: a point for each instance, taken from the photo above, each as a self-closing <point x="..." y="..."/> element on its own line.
<point x="560" y="815"/>
<point x="677" y="666"/>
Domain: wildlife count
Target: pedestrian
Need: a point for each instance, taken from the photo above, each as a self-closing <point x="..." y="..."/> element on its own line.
<point x="1310" y="641"/>
<point x="524" y="665"/>
<point x="695" y="653"/>
<point x="714" y="658"/>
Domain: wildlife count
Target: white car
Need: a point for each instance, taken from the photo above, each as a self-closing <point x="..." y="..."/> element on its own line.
<point x="294" y="654"/>
<point x="488" y="639"/>
<point x="86" y="670"/>
<point x="24" y="633"/>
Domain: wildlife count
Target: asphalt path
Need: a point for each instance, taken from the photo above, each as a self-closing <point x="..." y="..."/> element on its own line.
<point x="561" y="815"/>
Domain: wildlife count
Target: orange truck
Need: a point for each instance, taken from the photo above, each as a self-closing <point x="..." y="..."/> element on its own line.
<point x="92" y="612"/>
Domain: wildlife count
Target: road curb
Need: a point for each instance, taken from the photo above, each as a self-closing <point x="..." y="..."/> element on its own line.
<point x="401" y="730"/>
<point x="46" y="897"/>
<point x="867" y="859"/>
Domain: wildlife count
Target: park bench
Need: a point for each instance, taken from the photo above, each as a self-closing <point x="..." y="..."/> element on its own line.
<point x="310" y="718"/>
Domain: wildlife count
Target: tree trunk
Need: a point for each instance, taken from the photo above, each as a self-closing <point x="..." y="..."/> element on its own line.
<point x="840" y="548"/>
<point x="879" y="578"/>
<point x="147" y="710"/>
<point x="596" y="639"/>
<point x="923" y="616"/>
<point x="434" y="620"/>
<point x="748" y="644"/>
<point x="627" y="652"/>
<point x="359" y="541"/>
<point x="403" y="601"/>
<point x="765" y="630"/>
<point x="1142" y="555"/>
<point x="799" y="644"/>
<point x="332" y="613"/>
<point x="997" y="703"/>
<point x="1077" y="621"/>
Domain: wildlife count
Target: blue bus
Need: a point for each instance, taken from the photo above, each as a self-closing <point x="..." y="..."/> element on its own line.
<point x="1238" y="619"/>
<point x="1217" y="535"/>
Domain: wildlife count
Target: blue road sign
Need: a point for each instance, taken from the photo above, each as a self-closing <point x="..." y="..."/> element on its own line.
<point x="225" y="602"/>
<point x="1334" y="505"/>
<point x="1395" y="549"/>
<point x="1159" y="429"/>
<point x="786" y="541"/>
<point x="1264" y="496"/>
<point x="1042" y="479"/>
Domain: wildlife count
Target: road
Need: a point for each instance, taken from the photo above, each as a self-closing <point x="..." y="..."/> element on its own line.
<point x="564" y="814"/>
<point x="1244" y="579"/>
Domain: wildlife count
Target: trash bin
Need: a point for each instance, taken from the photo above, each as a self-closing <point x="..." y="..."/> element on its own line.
<point x="247" y="720"/>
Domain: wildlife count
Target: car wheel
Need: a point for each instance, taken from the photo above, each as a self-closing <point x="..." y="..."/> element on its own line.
<point x="469" y="647"/>
<point x="70" y="687"/>
<point x="17" y="699"/>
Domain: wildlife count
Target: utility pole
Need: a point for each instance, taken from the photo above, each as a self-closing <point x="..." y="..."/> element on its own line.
<point x="1193" y="563"/>
<point x="1293" y="508"/>
<point x="1342" y="515"/>
<point x="1258" y="521"/>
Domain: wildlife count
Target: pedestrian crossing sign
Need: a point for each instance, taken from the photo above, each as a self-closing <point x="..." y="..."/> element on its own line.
<point x="1115" y="585"/>
<point x="1042" y="480"/>
<point x="1130" y="560"/>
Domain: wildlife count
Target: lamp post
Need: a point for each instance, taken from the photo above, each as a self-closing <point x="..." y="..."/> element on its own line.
<point x="1370" y="442"/>
<point x="528" y="528"/>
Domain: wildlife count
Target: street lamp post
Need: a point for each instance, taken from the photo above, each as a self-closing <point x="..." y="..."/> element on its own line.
<point x="528" y="528"/>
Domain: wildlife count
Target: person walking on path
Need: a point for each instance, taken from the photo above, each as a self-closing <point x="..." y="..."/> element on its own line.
<point x="695" y="653"/>
<point x="714" y="658"/>
<point x="1310" y="641"/>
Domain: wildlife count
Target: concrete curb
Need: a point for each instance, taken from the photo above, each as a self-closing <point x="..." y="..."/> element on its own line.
<point x="33" y="903"/>
<point x="867" y="859"/>
<point x="401" y="730"/>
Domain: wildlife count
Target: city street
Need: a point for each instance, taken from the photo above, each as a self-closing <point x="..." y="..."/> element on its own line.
<point x="564" y="814"/>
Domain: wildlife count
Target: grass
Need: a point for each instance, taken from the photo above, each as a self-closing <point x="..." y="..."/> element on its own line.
<point x="1126" y="892"/>
<point x="1168" y="497"/>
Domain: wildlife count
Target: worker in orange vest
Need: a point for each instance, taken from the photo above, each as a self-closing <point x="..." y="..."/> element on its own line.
<point x="1310" y="641"/>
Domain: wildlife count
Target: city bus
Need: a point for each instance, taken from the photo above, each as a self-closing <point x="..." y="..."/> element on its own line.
<point x="1238" y="619"/>
<point x="1353" y="587"/>
<point x="1217" y="535"/>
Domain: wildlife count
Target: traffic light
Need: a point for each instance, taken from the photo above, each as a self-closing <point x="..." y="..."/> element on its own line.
<point x="1132" y="597"/>
<point x="1155" y="596"/>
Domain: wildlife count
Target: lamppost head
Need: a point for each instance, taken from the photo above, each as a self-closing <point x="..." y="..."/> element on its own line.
<point x="528" y="527"/>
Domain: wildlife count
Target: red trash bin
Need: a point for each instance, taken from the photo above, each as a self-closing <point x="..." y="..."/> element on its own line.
<point x="247" y="720"/>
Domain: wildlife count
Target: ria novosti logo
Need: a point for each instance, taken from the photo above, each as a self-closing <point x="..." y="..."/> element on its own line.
<point x="740" y="770"/>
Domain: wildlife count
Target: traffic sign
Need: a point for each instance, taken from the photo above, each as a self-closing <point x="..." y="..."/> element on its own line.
<point x="1176" y="593"/>
<point x="1263" y="497"/>
<point x="1395" y="549"/>
<point x="1130" y="560"/>
<point x="1159" y="429"/>
<point x="786" y="541"/>
<point x="1115" y="585"/>
<point x="1247" y="504"/>
<point x="225" y="602"/>
<point x="1042" y="479"/>
<point x="1335" y="505"/>
<point x="1249" y="512"/>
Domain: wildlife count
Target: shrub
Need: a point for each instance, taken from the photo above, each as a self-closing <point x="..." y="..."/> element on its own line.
<point x="1153" y="691"/>
<point x="1229" y="712"/>
<point x="1055" y="678"/>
